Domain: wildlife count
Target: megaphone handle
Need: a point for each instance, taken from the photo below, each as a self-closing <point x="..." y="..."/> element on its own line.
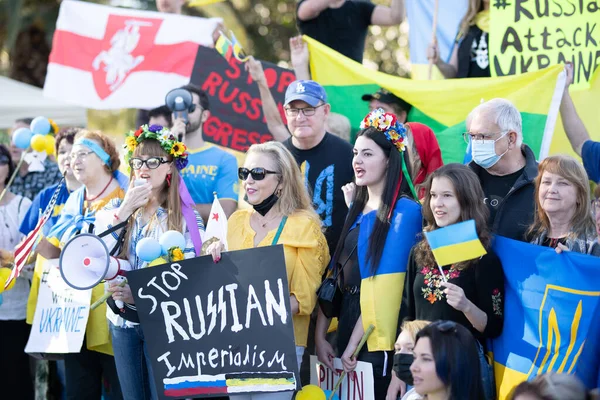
<point x="104" y="297"/>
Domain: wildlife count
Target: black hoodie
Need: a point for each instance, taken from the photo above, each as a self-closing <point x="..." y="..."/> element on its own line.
<point x="516" y="210"/>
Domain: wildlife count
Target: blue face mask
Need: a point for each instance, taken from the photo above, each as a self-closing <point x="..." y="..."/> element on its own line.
<point x="484" y="152"/>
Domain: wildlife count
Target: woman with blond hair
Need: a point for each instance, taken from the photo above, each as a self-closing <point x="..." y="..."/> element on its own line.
<point x="402" y="381"/>
<point x="563" y="216"/>
<point x="281" y="213"/>
<point x="470" y="55"/>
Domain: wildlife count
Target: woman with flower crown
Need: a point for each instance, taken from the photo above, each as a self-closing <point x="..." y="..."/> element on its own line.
<point x="157" y="201"/>
<point x="381" y="227"/>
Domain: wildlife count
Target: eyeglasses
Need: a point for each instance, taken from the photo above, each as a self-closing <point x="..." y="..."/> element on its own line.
<point x="151" y="163"/>
<point x="308" y="111"/>
<point x="480" y="137"/>
<point x="258" y="174"/>
<point x="81" y="155"/>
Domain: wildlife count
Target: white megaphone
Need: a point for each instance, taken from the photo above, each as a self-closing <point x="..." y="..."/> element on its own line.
<point x="85" y="262"/>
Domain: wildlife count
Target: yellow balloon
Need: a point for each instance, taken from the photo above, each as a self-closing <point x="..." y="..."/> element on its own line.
<point x="50" y="141"/>
<point x="158" y="261"/>
<point x="311" y="392"/>
<point x="38" y="143"/>
<point x="4" y="275"/>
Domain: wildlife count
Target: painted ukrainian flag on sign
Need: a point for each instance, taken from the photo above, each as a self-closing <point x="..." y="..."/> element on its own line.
<point x="442" y="105"/>
<point x="455" y="243"/>
<point x="551" y="323"/>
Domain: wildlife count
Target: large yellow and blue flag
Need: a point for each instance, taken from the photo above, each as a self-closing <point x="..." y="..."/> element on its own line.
<point x="551" y="319"/>
<point x="381" y="290"/>
<point x="455" y="243"/>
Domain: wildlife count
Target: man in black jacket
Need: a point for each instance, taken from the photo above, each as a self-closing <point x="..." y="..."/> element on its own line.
<point x="506" y="167"/>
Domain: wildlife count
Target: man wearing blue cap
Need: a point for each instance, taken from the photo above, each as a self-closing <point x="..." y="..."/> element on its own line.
<point x="325" y="159"/>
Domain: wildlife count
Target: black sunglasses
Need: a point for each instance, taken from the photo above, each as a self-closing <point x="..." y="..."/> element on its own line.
<point x="151" y="163"/>
<point x="258" y="174"/>
<point x="446" y="326"/>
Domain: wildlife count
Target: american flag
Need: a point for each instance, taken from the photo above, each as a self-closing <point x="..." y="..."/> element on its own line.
<point x="22" y="252"/>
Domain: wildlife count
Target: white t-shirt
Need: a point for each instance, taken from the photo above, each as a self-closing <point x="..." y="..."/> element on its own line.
<point x="14" y="301"/>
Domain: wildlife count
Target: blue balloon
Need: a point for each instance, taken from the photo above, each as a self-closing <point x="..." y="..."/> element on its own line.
<point x="328" y="393"/>
<point x="22" y="138"/>
<point x="148" y="249"/>
<point x="40" y="125"/>
<point x="171" y="239"/>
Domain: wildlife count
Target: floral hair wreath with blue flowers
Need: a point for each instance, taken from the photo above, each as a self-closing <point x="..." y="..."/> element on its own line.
<point x="167" y="140"/>
<point x="395" y="132"/>
<point x="388" y="124"/>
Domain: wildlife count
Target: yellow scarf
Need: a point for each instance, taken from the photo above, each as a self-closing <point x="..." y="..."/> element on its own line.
<point x="482" y="20"/>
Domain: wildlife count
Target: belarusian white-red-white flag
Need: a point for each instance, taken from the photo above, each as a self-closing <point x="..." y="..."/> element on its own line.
<point x="216" y="227"/>
<point x="105" y="57"/>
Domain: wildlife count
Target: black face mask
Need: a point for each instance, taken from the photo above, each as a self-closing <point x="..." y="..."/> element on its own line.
<point x="402" y="363"/>
<point x="264" y="206"/>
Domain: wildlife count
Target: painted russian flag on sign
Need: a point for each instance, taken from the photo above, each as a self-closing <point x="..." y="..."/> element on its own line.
<point x="106" y="57"/>
<point x="455" y="243"/>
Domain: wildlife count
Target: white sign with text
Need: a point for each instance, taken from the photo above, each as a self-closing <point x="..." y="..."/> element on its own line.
<point x="357" y="385"/>
<point x="60" y="316"/>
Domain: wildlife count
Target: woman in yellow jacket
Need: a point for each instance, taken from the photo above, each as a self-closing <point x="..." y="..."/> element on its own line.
<point x="280" y="203"/>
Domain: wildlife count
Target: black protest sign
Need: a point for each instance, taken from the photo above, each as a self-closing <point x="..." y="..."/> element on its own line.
<point x="528" y="35"/>
<point x="237" y="120"/>
<point x="217" y="329"/>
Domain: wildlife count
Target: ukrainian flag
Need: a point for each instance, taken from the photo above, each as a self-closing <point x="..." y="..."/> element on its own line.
<point x="381" y="292"/>
<point x="551" y="324"/>
<point x="455" y="243"/>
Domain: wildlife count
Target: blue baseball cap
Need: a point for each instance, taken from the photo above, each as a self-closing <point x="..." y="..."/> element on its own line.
<point x="309" y="91"/>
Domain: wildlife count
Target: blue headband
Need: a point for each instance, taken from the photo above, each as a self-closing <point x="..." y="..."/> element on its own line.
<point x="93" y="146"/>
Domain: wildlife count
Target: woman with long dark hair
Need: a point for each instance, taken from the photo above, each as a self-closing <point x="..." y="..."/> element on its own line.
<point x="446" y="365"/>
<point x="381" y="226"/>
<point x="471" y="292"/>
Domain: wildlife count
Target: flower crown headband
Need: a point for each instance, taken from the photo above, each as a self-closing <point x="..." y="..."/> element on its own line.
<point x="167" y="140"/>
<point x="394" y="132"/>
<point x="388" y="124"/>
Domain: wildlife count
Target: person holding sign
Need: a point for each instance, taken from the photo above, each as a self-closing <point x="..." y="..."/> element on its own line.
<point x="157" y="201"/>
<point x="563" y="215"/>
<point x="470" y="292"/>
<point x="470" y="56"/>
<point x="370" y="259"/>
<point x="95" y="163"/>
<point x="582" y="144"/>
<point x="281" y="213"/>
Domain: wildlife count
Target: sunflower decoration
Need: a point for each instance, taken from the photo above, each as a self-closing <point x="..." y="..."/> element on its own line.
<point x="175" y="254"/>
<point x="388" y="124"/>
<point x="167" y="140"/>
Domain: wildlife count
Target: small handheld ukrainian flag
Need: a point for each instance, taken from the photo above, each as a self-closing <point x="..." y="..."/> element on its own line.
<point x="455" y="243"/>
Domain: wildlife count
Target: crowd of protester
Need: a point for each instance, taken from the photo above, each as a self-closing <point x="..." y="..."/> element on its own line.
<point x="388" y="185"/>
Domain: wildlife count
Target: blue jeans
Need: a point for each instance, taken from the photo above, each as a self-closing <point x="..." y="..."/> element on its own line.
<point x="487" y="374"/>
<point x="133" y="363"/>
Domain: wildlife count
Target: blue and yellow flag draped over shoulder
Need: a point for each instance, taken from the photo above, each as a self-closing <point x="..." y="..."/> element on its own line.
<point x="381" y="292"/>
<point x="552" y="307"/>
